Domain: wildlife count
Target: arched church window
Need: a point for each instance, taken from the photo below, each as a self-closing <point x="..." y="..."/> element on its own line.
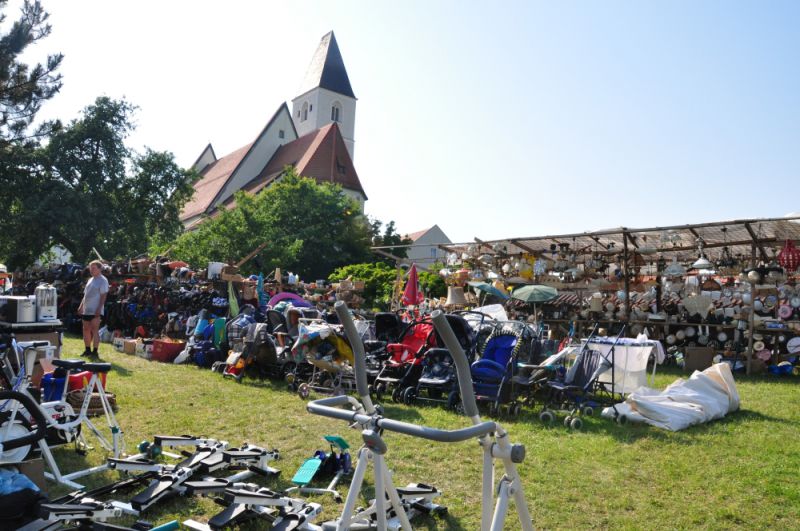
<point x="336" y="111"/>
<point x="304" y="112"/>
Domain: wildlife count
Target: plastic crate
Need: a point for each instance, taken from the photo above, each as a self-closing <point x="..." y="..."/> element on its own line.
<point x="165" y="350"/>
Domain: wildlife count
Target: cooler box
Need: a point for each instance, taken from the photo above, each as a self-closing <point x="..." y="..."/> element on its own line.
<point x="165" y="350"/>
<point x="119" y="344"/>
<point x="52" y="388"/>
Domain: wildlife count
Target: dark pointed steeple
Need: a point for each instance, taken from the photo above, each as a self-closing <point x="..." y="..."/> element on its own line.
<point x="327" y="69"/>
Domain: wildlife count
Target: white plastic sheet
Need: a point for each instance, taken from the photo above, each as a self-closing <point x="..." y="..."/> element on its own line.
<point x="705" y="396"/>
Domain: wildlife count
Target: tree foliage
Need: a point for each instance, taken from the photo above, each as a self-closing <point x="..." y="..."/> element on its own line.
<point x="388" y="237"/>
<point x="378" y="280"/>
<point x="310" y="228"/>
<point x="86" y="189"/>
<point x="24" y="87"/>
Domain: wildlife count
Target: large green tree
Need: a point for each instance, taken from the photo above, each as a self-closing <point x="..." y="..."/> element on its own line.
<point x="88" y="190"/>
<point x="309" y="228"/>
<point x="24" y="88"/>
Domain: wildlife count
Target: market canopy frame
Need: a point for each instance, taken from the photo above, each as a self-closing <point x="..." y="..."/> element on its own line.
<point x="758" y="238"/>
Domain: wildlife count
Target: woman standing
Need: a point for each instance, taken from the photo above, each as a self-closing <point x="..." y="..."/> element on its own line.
<point x="91" y="308"/>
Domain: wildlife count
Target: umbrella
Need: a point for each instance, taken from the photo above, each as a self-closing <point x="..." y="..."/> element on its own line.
<point x="296" y="300"/>
<point x="233" y="303"/>
<point x="488" y="289"/>
<point x="412" y="295"/>
<point x="535" y="293"/>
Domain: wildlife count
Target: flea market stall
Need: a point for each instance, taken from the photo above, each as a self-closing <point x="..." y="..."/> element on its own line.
<point x="726" y="288"/>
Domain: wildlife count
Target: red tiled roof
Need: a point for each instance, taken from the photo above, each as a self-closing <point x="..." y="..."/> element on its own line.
<point x="212" y="179"/>
<point x="414" y="236"/>
<point x="321" y="155"/>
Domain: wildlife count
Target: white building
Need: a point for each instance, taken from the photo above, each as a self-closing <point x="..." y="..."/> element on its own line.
<point x="424" y="250"/>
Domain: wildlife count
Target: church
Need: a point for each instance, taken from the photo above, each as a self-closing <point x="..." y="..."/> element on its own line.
<point x="316" y="137"/>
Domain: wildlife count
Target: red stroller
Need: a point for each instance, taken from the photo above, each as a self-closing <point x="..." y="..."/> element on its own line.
<point x="404" y="365"/>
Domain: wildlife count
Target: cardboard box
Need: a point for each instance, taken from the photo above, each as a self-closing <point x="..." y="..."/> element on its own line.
<point x="34" y="469"/>
<point x="130" y="346"/>
<point x="697" y="358"/>
<point x="119" y="344"/>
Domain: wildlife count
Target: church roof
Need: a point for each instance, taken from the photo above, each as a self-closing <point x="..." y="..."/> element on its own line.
<point x="212" y="179"/>
<point x="321" y="155"/>
<point x="327" y="69"/>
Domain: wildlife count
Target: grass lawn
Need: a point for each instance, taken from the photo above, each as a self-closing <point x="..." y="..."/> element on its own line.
<point x="739" y="472"/>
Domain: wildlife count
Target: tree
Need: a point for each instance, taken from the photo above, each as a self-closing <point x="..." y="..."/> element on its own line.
<point x="89" y="190"/>
<point x="23" y="88"/>
<point x="378" y="280"/>
<point x="309" y="227"/>
<point x="390" y="236"/>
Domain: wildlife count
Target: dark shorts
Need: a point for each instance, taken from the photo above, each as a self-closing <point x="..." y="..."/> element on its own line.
<point x="89" y="317"/>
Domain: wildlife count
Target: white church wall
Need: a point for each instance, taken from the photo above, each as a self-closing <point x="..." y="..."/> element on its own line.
<point x="262" y="151"/>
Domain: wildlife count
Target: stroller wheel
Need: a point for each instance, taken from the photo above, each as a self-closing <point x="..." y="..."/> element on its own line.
<point x="621" y="420"/>
<point x="587" y="411"/>
<point x="453" y="401"/>
<point x="547" y="417"/>
<point x="304" y="390"/>
<point x="397" y="395"/>
<point x="576" y="423"/>
<point x="379" y="390"/>
<point x="494" y="409"/>
<point x="409" y="394"/>
<point x="292" y="387"/>
<point x="515" y="409"/>
<point x="568" y="420"/>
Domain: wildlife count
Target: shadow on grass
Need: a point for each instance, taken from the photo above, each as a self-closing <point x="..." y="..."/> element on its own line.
<point x="633" y="432"/>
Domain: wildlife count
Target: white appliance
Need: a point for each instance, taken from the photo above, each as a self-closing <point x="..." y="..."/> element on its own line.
<point x="17" y="309"/>
<point x="46" y="303"/>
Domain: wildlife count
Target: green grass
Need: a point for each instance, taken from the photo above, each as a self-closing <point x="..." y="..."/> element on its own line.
<point x="738" y="472"/>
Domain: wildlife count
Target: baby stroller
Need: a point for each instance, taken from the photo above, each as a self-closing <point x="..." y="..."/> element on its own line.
<point x="403" y="365"/>
<point x="330" y="357"/>
<point x="388" y="327"/>
<point x="438" y="381"/>
<point x="492" y="373"/>
<point x="257" y="354"/>
<point x="579" y="390"/>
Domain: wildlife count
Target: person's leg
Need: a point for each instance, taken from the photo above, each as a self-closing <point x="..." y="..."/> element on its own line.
<point x="95" y="335"/>
<point x="87" y="336"/>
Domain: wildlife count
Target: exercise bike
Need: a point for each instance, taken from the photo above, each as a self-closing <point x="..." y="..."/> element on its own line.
<point x="393" y="508"/>
<point x="63" y="424"/>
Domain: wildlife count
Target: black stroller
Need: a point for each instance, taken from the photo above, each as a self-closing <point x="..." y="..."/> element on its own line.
<point x="438" y="381"/>
<point x="580" y="391"/>
<point x="388" y="327"/>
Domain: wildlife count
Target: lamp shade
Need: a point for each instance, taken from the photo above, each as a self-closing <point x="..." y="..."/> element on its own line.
<point x="789" y="256"/>
<point x="702" y="263"/>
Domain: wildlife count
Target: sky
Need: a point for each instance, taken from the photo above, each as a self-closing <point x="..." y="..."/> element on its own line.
<point x="492" y="120"/>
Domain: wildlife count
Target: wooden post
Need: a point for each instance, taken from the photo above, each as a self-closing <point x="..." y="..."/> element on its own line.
<point x="751" y="321"/>
<point x="627" y="277"/>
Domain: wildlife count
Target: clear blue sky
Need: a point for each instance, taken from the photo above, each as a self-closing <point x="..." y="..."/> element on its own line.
<point x="490" y="119"/>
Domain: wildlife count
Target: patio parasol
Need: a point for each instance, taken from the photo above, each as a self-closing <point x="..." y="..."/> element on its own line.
<point x="412" y="295"/>
<point x="488" y="289"/>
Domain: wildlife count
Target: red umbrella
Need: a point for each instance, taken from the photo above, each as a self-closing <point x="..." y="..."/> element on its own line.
<point x="412" y="295"/>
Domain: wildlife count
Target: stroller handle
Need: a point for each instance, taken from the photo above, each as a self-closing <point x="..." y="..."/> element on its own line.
<point x="460" y="359"/>
<point x="360" y="366"/>
<point x="327" y="408"/>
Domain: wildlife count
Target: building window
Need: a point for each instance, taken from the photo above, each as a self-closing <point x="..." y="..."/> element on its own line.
<point x="304" y="112"/>
<point x="433" y="253"/>
<point x="310" y="108"/>
<point x="281" y="134"/>
<point x="336" y="110"/>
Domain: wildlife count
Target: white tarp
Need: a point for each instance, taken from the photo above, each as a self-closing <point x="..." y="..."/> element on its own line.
<point x="705" y="396"/>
